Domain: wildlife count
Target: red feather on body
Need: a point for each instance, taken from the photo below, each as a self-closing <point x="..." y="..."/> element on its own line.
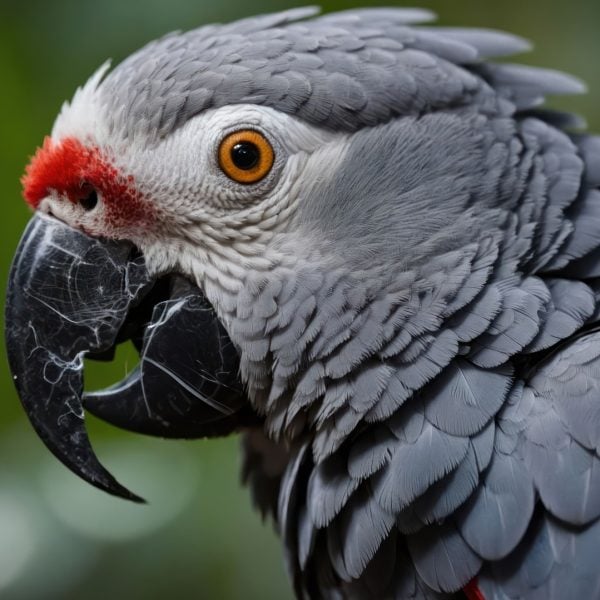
<point x="472" y="591"/>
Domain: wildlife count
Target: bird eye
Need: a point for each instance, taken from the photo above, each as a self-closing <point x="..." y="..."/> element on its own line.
<point x="88" y="197"/>
<point x="246" y="156"/>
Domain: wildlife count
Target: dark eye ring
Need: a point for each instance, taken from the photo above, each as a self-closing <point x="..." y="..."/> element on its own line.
<point x="89" y="199"/>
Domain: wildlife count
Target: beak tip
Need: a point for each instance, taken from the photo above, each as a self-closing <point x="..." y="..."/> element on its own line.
<point x="136" y="499"/>
<point x="110" y="485"/>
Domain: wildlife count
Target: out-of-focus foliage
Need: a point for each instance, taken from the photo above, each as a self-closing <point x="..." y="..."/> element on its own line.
<point x="198" y="538"/>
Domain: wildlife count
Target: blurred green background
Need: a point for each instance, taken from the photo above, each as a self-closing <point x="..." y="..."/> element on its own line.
<point x="198" y="537"/>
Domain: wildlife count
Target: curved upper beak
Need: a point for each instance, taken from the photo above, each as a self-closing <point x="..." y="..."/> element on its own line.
<point x="70" y="295"/>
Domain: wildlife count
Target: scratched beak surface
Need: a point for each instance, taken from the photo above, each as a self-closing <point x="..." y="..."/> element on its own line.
<point x="186" y="383"/>
<point x="71" y="295"/>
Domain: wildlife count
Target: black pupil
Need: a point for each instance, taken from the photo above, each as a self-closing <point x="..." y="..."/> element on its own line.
<point x="89" y="202"/>
<point x="245" y="155"/>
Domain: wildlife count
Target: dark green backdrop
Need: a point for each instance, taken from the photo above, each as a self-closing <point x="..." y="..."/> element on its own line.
<point x="198" y="537"/>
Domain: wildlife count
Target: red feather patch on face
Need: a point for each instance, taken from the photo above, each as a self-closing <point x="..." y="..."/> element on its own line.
<point x="70" y="168"/>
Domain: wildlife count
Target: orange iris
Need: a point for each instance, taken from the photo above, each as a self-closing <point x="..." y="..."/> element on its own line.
<point x="246" y="156"/>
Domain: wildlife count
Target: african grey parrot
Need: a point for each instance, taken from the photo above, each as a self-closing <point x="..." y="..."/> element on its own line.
<point x="360" y="243"/>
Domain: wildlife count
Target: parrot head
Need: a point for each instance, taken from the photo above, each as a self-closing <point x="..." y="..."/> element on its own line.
<point x="263" y="208"/>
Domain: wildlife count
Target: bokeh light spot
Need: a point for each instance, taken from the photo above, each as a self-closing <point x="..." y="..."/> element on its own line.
<point x="162" y="472"/>
<point x="17" y="539"/>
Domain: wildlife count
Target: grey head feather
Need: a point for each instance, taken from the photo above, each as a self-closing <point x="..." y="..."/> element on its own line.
<point x="487" y="43"/>
<point x="341" y="71"/>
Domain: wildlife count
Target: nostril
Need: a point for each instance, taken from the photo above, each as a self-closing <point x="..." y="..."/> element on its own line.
<point x="89" y="201"/>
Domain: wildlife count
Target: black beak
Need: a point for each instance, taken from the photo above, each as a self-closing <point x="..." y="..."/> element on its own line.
<point x="71" y="295"/>
<point x="186" y="383"/>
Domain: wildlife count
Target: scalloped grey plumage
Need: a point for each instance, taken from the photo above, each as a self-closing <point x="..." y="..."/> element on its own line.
<point x="439" y="408"/>
<point x="353" y="70"/>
